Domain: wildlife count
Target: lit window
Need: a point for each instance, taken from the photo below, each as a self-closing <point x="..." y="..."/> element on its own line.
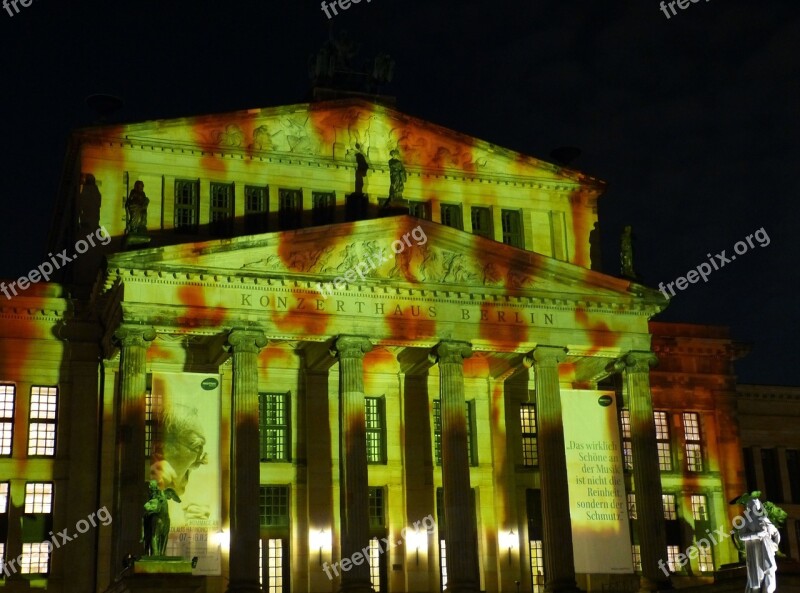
<point x="636" y="553"/>
<point x="322" y="207"/>
<point x="290" y="208"/>
<point x="662" y="438"/>
<point x="6" y="418"/>
<point x="3" y="497"/>
<point x="273" y="426"/>
<point x="275" y="568"/>
<point x="672" y="558"/>
<point x="530" y="446"/>
<point x="437" y="432"/>
<point x="443" y="563"/>
<point x="512" y="228"/>
<point x="537" y="567"/>
<point x="482" y="222"/>
<point x="152" y="428"/>
<point x="632" y="506"/>
<point x="35" y="558"/>
<point x="377" y="516"/>
<point x="694" y="452"/>
<point x="38" y="497"/>
<point x="42" y="434"/>
<point x="670" y="508"/>
<point x="705" y="558"/>
<point x="627" y="446"/>
<point x="187" y="204"/>
<point x="274" y="506"/>
<point x="256" y="208"/>
<point x="375" y="564"/>
<point x="451" y="216"/>
<point x="222" y="208"/>
<point x="374" y="414"/>
<point x="699" y="507"/>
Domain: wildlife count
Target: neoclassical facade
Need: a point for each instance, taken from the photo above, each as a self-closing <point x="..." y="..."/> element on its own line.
<point x="347" y="396"/>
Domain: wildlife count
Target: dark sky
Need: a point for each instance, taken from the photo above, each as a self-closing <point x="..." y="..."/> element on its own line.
<point x="692" y="120"/>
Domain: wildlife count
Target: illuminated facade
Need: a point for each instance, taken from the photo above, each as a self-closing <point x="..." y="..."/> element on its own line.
<point x="399" y="428"/>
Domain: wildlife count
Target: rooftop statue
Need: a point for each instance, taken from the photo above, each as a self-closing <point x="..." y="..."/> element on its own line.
<point x="136" y="206"/>
<point x="155" y="523"/>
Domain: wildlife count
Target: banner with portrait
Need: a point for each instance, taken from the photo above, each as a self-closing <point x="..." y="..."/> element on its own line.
<point x="183" y="423"/>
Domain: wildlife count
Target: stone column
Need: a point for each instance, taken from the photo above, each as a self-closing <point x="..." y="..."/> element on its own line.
<point x="244" y="345"/>
<point x="646" y="474"/>
<point x="354" y="487"/>
<point x="559" y="562"/>
<point x="133" y="342"/>
<point x="462" y="549"/>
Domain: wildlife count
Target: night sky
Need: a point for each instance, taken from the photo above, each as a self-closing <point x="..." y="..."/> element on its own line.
<point x="692" y="120"/>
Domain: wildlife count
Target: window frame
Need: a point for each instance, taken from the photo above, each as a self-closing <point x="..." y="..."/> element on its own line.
<point x="193" y="208"/>
<point x="323" y="207"/>
<point x="290" y="218"/>
<point x="693" y="445"/>
<point x="511" y="237"/>
<point x="256" y="220"/>
<point x="264" y="401"/>
<point x="531" y="437"/>
<point x="459" y="219"/>
<point x="7" y="417"/>
<point x="42" y="422"/>
<point x="437" y="432"/>
<point x="380" y="430"/>
<point x="279" y="490"/>
<point x="222" y="225"/>
<point x="663" y="443"/>
<point x="488" y="232"/>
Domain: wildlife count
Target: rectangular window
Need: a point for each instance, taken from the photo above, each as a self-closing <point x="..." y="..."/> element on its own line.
<point x="38" y="498"/>
<point x="274" y="506"/>
<point x="419" y="210"/>
<point x="377" y="509"/>
<point x="694" y="451"/>
<point x="7" y="393"/>
<point x="290" y="208"/>
<point x="323" y="206"/>
<point x="152" y="427"/>
<point x="672" y="558"/>
<point x="537" y="566"/>
<point x="451" y="216"/>
<point x="375" y="427"/>
<point x="222" y="208"/>
<point x="437" y="433"/>
<point x="274" y="566"/>
<point x="772" y="475"/>
<point x="627" y="446"/>
<point x="187" y="205"/>
<point x="443" y="564"/>
<point x="375" y="553"/>
<point x="530" y="445"/>
<point x="42" y="433"/>
<point x="699" y="507"/>
<point x="670" y="507"/>
<point x="793" y="471"/>
<point x="3" y="497"/>
<point x="750" y="469"/>
<point x="632" y="514"/>
<point x="662" y="438"/>
<point x="273" y="426"/>
<point x="482" y="222"/>
<point x="705" y="558"/>
<point x="35" y="558"/>
<point x="256" y="209"/>
<point x="636" y="553"/>
<point x="512" y="228"/>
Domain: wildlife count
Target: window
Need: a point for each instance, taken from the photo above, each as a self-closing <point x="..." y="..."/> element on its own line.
<point x="273" y="426"/>
<point x="694" y="451"/>
<point x="187" y="205"/>
<point x="662" y="438"/>
<point x="705" y="558"/>
<point x="636" y="553"/>
<point x="377" y="515"/>
<point x="443" y="564"/>
<point x="3" y="497"/>
<point x="6" y="418"/>
<point x="274" y="506"/>
<point x="537" y="566"/>
<point x="323" y="206"/>
<point x="290" y="208"/>
<point x="699" y="507"/>
<point x="42" y="434"/>
<point x="375" y="426"/>
<point x="627" y="446"/>
<point x="773" y="485"/>
<point x="530" y="446"/>
<point x="793" y="467"/>
<point x="38" y="497"/>
<point x="152" y="428"/>
<point x="375" y="564"/>
<point x="750" y="469"/>
<point x="670" y="508"/>
<point x="222" y="198"/>
<point x="419" y="209"/>
<point x="512" y="228"/>
<point x="273" y="576"/>
<point x="35" y="558"/>
<point x="256" y="209"/>
<point x="451" y="216"/>
<point x="482" y="222"/>
<point x="632" y="514"/>
<point x="672" y="558"/>
<point x="437" y="432"/>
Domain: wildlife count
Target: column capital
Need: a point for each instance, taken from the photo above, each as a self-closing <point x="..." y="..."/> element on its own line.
<point x="246" y="340"/>
<point x="450" y="351"/>
<point x="134" y="335"/>
<point x="546" y="356"/>
<point x="639" y="361"/>
<point x="350" y="347"/>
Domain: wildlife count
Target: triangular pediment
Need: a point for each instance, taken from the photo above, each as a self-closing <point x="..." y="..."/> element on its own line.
<point x="332" y="129"/>
<point x="397" y="251"/>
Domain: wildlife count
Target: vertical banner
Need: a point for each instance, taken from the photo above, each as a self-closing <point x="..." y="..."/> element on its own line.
<point x="184" y="423"/>
<point x="598" y="505"/>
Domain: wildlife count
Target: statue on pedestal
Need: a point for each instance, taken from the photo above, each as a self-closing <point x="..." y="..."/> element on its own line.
<point x="361" y="170"/>
<point x="761" y="539"/>
<point x="136" y="207"/>
<point x="626" y="254"/>
<point x="155" y="523"/>
<point x="397" y="177"/>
